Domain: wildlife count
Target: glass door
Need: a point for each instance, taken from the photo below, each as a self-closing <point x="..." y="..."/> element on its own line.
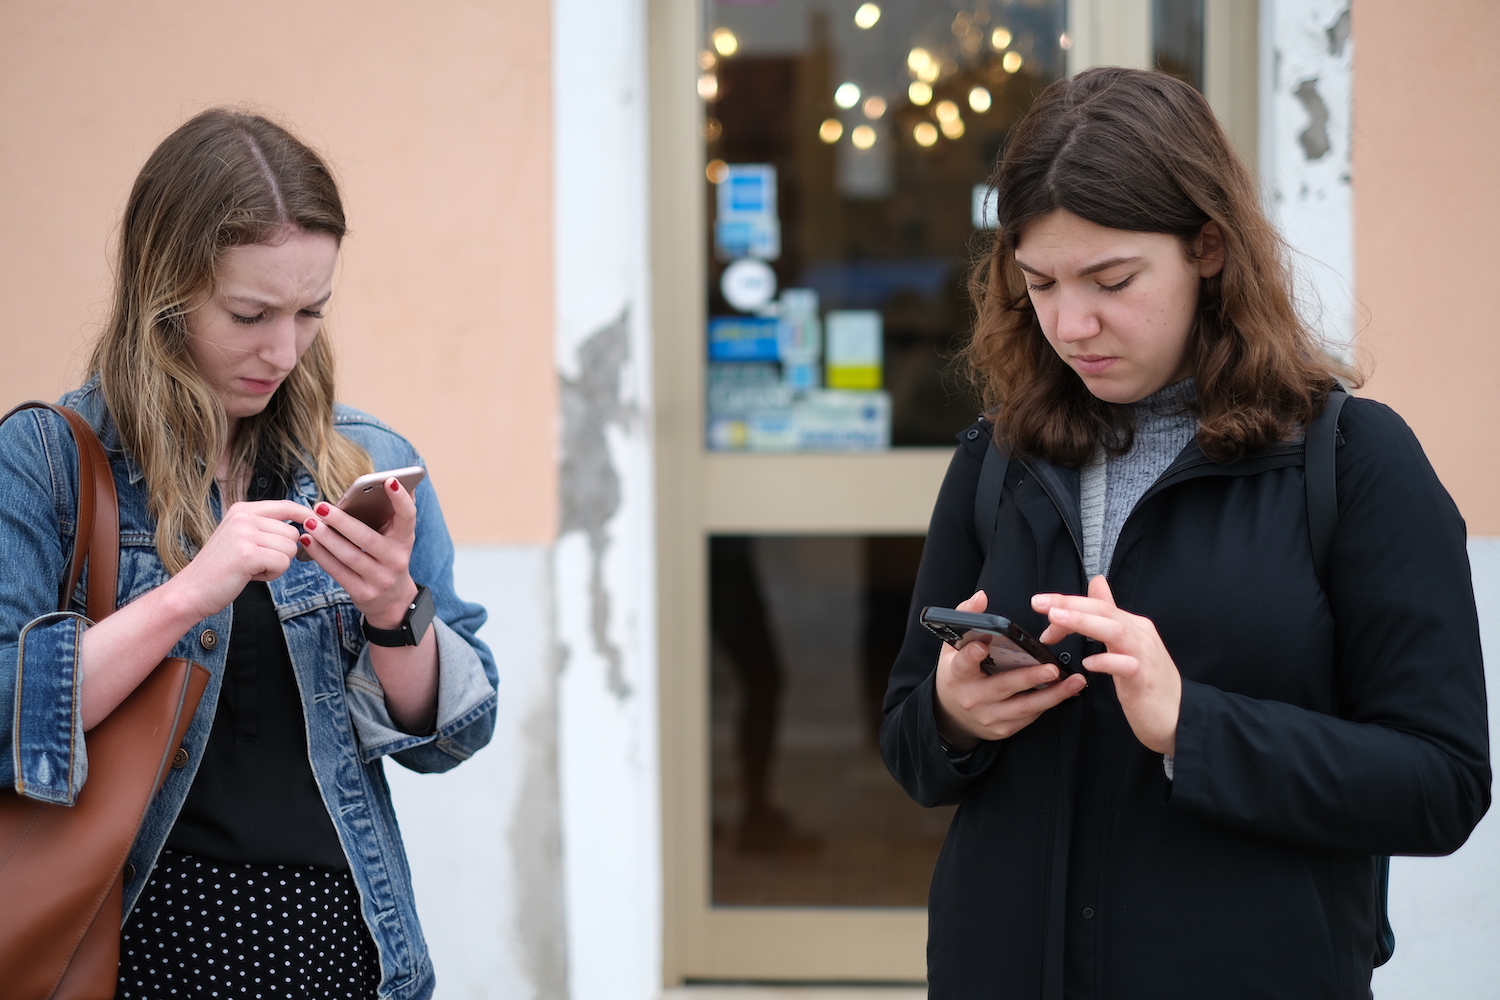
<point x="811" y="302"/>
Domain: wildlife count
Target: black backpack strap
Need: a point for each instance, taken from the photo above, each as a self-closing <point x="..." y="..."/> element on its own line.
<point x="1322" y="518"/>
<point x="1322" y="480"/>
<point x="987" y="497"/>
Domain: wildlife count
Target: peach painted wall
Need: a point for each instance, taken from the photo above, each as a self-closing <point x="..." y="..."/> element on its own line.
<point x="1426" y="166"/>
<point x="437" y="120"/>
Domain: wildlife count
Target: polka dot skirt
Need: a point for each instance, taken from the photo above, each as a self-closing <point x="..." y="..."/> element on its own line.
<point x="207" y="929"/>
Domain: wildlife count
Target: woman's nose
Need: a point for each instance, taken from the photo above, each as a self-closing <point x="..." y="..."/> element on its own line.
<point x="1075" y="320"/>
<point x="280" y="346"/>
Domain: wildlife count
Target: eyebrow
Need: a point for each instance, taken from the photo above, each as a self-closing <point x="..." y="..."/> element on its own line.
<point x="1103" y="265"/>
<point x="251" y="300"/>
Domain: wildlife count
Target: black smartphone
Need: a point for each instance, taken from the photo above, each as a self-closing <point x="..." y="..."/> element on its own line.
<point x="1010" y="645"/>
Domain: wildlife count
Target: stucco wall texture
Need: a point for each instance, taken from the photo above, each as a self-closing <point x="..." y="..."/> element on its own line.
<point x="1426" y="211"/>
<point x="437" y="120"/>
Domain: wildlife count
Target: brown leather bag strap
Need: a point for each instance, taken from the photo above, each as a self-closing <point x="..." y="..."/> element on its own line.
<point x="97" y="526"/>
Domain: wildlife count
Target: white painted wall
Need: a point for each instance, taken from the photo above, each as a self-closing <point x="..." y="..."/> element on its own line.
<point x="456" y="825"/>
<point x="1446" y="911"/>
<point x="607" y="711"/>
<point x="1307" y="190"/>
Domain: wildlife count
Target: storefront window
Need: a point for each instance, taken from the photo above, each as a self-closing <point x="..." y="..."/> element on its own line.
<point x="1177" y="39"/>
<point x="847" y="151"/>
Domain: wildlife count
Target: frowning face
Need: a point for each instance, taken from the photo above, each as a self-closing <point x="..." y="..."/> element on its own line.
<point x="1117" y="306"/>
<point x="261" y="317"/>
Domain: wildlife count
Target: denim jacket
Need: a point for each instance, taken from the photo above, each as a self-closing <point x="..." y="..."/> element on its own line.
<point x="348" y="727"/>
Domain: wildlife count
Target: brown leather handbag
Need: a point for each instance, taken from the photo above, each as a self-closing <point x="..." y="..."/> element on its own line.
<point x="60" y="866"/>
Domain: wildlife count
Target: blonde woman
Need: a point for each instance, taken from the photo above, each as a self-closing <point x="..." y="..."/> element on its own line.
<point x="271" y="863"/>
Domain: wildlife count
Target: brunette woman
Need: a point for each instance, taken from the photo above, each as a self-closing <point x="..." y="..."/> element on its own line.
<point x="270" y="865"/>
<point x="1198" y="811"/>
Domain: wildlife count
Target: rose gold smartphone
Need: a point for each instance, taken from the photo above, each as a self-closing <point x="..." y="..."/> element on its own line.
<point x="369" y="500"/>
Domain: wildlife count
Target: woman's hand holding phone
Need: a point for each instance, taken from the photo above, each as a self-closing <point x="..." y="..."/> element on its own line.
<point x="371" y="563"/>
<point x="972" y="706"/>
<point x="1147" y="681"/>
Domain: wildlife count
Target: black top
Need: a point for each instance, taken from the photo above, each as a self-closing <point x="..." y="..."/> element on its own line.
<point x="254" y="799"/>
<point x="1319" y="726"/>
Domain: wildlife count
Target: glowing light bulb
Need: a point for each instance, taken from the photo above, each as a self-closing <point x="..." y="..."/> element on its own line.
<point x="866" y="16"/>
<point x="874" y="107"/>
<point x="716" y="171"/>
<point x="1011" y="62"/>
<point x="953" y="127"/>
<point x="945" y="111"/>
<point x="830" y="130"/>
<point x="917" y="60"/>
<point x="847" y="96"/>
<point x="919" y="92"/>
<point x="863" y="137"/>
<point x="980" y="100"/>
<point x="708" y="86"/>
<point x="724" y="41"/>
<point x="925" y="133"/>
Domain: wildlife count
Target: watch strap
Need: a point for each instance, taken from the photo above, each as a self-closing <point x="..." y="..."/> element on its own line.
<point x="413" y="627"/>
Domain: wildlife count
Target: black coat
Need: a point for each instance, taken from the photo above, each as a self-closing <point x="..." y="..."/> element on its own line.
<point x="1317" y="729"/>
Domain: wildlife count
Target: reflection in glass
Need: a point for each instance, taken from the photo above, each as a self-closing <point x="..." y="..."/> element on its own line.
<point x="1177" y="39"/>
<point x="874" y="132"/>
<point x="804" y="813"/>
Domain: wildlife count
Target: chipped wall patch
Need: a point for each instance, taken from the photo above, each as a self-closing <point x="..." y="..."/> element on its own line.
<point x="589" y="483"/>
<point x="1313" y="138"/>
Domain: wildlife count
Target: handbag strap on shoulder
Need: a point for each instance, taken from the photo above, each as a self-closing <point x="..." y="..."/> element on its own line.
<point x="97" y="534"/>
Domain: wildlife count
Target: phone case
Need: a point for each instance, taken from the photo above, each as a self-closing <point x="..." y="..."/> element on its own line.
<point x="1010" y="645"/>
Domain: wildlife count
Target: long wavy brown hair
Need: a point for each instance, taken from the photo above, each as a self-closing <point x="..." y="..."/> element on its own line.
<point x="223" y="179"/>
<point x="1142" y="151"/>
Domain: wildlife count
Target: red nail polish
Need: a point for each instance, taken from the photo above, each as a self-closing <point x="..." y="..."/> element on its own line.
<point x="321" y="510"/>
<point x="395" y="486"/>
<point x="306" y="542"/>
<point x="310" y="523"/>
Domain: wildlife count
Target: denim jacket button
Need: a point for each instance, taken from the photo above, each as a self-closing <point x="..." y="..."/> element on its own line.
<point x="209" y="639"/>
<point x="180" y="759"/>
<point x="129" y="872"/>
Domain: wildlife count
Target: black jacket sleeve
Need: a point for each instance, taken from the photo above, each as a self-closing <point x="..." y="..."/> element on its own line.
<point x="1403" y="768"/>
<point x="948" y="574"/>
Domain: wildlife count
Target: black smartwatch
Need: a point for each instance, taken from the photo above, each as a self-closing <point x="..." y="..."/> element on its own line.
<point x="413" y="627"/>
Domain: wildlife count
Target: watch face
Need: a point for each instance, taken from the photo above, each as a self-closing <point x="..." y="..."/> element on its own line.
<point x="420" y="617"/>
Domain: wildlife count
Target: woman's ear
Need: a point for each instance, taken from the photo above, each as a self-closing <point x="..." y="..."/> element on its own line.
<point x="1208" y="250"/>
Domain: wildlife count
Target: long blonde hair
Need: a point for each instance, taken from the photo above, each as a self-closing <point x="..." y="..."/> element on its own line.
<point x="223" y="179"/>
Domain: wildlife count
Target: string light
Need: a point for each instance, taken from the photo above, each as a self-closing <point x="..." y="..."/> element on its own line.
<point x="925" y="133"/>
<point x="708" y="87"/>
<point x="866" y="16"/>
<point x="919" y="92"/>
<point x="980" y="100"/>
<point x="716" y="171"/>
<point x="874" y="106"/>
<point x="946" y="111"/>
<point x="1011" y="62"/>
<point x="847" y="96"/>
<point x="725" y="41"/>
<point x="863" y="137"/>
<point x="1001" y="38"/>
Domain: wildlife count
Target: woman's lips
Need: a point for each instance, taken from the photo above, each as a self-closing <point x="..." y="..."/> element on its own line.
<point x="264" y="386"/>
<point x="1093" y="364"/>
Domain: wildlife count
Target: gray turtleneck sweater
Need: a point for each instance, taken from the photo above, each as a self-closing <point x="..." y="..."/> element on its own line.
<point x="1111" y="486"/>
